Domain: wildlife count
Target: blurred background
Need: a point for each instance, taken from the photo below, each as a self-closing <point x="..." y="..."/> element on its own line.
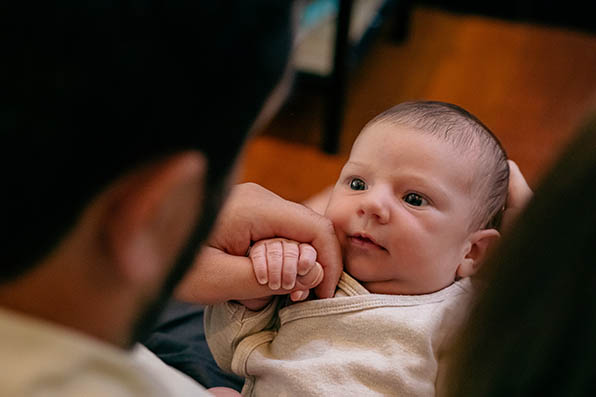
<point x="527" y="69"/>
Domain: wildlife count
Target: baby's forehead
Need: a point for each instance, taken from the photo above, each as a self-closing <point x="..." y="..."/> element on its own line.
<point x="384" y="135"/>
<point x="458" y="139"/>
<point x="379" y="144"/>
<point x="380" y="133"/>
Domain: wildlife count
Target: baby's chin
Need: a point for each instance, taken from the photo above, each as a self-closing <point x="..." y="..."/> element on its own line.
<point x="359" y="269"/>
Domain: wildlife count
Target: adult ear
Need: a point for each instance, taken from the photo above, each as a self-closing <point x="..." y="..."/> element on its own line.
<point x="153" y="212"/>
<point x="478" y="244"/>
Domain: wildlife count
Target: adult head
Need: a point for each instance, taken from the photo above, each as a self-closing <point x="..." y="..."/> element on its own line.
<point x="118" y="141"/>
<point x="532" y="329"/>
<point x="417" y="203"/>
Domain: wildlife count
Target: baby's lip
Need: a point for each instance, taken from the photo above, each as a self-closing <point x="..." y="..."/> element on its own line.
<point x="365" y="240"/>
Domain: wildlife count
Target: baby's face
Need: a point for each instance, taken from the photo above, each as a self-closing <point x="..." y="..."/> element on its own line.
<point x="401" y="208"/>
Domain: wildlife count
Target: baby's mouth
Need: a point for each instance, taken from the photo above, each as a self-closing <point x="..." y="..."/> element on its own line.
<point x="364" y="241"/>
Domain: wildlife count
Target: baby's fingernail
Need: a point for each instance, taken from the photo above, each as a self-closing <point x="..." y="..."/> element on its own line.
<point x="298" y="295"/>
<point x="289" y="285"/>
<point x="302" y="272"/>
<point x="274" y="285"/>
<point x="262" y="280"/>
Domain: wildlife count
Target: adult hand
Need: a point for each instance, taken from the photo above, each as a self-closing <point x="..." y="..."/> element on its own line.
<point x="252" y="213"/>
<point x="519" y="193"/>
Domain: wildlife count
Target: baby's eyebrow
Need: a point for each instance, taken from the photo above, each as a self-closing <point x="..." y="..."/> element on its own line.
<point x="430" y="186"/>
<point x="355" y="164"/>
<point x="350" y="162"/>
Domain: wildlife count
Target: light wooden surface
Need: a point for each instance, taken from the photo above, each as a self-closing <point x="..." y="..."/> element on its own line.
<point x="530" y="84"/>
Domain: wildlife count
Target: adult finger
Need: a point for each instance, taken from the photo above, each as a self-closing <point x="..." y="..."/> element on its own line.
<point x="253" y="213"/>
<point x="519" y="190"/>
<point x="519" y="193"/>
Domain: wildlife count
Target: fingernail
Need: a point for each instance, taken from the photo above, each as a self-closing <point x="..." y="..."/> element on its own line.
<point x="274" y="285"/>
<point x="289" y="285"/>
<point x="302" y="272"/>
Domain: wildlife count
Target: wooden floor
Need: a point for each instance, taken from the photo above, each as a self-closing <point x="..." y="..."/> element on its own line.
<point x="530" y="84"/>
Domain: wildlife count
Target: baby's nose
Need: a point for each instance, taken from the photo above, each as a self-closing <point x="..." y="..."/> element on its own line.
<point x="376" y="204"/>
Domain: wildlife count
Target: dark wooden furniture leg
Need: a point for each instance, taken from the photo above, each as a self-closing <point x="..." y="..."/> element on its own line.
<point x="338" y="80"/>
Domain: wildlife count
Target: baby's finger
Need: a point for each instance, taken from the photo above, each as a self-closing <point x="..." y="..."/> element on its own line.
<point x="290" y="263"/>
<point x="308" y="256"/>
<point x="274" y="263"/>
<point x="311" y="279"/>
<point x="259" y="262"/>
<point x="297" y="296"/>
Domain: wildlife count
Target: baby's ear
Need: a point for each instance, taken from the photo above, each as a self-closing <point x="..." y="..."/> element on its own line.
<point x="477" y="246"/>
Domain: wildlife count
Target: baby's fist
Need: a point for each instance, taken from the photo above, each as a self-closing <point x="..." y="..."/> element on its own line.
<point x="278" y="262"/>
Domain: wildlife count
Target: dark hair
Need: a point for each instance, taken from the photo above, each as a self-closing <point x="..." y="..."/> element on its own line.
<point x="467" y="133"/>
<point x="91" y="89"/>
<point x="532" y="330"/>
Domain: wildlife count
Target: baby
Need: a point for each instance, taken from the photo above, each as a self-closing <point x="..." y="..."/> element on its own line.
<point x="416" y="207"/>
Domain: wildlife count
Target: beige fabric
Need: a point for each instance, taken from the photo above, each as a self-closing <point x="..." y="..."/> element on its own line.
<point x="42" y="359"/>
<point x="356" y="344"/>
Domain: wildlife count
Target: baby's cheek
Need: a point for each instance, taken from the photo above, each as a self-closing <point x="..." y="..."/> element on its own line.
<point x="336" y="214"/>
<point x="340" y="226"/>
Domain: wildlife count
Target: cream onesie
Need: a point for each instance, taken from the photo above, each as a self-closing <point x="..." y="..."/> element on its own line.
<point x="357" y="343"/>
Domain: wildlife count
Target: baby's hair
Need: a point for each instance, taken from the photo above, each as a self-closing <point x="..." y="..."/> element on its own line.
<point x="468" y="134"/>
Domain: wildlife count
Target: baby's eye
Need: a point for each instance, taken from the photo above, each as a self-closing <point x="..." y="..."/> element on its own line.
<point x="415" y="200"/>
<point x="357" y="184"/>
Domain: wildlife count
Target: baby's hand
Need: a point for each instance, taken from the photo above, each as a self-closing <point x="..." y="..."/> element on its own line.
<point x="286" y="264"/>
